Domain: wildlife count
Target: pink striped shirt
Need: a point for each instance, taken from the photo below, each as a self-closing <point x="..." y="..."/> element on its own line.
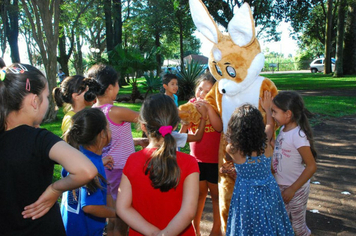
<point x="122" y="144"/>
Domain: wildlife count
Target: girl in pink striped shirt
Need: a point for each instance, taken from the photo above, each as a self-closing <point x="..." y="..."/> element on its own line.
<point x="122" y="144"/>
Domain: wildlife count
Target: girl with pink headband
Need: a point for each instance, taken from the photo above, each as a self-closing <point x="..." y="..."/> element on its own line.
<point x="159" y="188"/>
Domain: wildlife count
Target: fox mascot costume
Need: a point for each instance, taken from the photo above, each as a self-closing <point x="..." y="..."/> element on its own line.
<point x="235" y="62"/>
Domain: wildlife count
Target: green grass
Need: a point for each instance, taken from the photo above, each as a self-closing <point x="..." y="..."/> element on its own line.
<point x="311" y="81"/>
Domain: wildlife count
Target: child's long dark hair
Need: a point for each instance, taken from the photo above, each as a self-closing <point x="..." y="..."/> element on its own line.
<point x="290" y="100"/>
<point x="70" y="85"/>
<point x="87" y="124"/>
<point x="246" y="131"/>
<point x="17" y="81"/>
<point x="162" y="167"/>
<point x="103" y="76"/>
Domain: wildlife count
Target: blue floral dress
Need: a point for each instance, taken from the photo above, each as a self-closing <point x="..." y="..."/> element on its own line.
<point x="257" y="206"/>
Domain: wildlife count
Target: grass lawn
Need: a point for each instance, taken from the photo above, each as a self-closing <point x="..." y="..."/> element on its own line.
<point x="311" y="81"/>
<point x="322" y="106"/>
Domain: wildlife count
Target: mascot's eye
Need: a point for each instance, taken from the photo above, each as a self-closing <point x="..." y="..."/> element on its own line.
<point x="218" y="70"/>
<point x="231" y="71"/>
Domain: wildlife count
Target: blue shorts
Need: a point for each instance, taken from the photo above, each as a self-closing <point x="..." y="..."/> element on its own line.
<point x="208" y="172"/>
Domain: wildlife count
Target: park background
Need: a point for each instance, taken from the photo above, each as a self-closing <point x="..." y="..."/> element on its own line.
<point x="137" y="37"/>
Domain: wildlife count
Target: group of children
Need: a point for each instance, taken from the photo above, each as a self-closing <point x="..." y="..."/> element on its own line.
<point x="158" y="190"/>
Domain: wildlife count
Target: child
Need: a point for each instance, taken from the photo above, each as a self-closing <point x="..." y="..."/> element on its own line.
<point x="256" y="205"/>
<point x="170" y="85"/>
<point x="294" y="156"/>
<point x="158" y="194"/>
<point x="206" y="153"/>
<point x="73" y="91"/>
<point x="84" y="212"/>
<point x="106" y="87"/>
<point x="28" y="156"/>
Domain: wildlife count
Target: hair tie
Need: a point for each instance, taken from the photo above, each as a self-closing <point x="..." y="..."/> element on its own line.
<point x="165" y="130"/>
<point x="28" y="85"/>
<point x="2" y="75"/>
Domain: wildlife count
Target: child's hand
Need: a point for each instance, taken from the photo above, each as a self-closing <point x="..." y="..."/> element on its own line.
<point x="266" y="101"/>
<point x="288" y="194"/>
<point x="202" y="108"/>
<point x="229" y="169"/>
<point x="108" y="162"/>
<point x="43" y="204"/>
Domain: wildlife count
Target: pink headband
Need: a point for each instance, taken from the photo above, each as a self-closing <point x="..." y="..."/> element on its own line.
<point x="165" y="130"/>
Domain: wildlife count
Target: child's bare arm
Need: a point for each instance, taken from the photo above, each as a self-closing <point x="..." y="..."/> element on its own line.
<point x="214" y="117"/>
<point x="266" y="103"/>
<point x="121" y="114"/>
<point x="128" y="214"/>
<point x="100" y="211"/>
<point x="310" y="168"/>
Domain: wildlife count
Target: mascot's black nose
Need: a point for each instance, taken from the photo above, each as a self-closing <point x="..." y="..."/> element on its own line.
<point x="223" y="91"/>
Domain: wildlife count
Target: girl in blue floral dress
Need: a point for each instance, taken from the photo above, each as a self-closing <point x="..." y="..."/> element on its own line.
<point x="257" y="206"/>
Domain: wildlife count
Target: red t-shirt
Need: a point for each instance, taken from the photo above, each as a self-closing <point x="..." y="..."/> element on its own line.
<point x="157" y="207"/>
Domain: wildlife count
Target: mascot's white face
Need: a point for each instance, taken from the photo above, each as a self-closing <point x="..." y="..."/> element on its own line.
<point x="236" y="59"/>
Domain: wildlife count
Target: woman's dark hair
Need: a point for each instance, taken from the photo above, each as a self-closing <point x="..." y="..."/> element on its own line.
<point x="17" y="81"/>
<point x="162" y="167"/>
<point x="87" y="124"/>
<point x="246" y="131"/>
<point x="103" y="76"/>
<point x="290" y="100"/>
<point x="70" y="85"/>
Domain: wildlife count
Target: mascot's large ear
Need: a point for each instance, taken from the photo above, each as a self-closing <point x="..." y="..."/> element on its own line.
<point x="242" y="26"/>
<point x="203" y="21"/>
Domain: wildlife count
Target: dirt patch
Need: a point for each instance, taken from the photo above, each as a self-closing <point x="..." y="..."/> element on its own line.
<point x="332" y="202"/>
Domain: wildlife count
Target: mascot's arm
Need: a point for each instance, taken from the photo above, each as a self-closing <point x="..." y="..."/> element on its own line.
<point x="214" y="98"/>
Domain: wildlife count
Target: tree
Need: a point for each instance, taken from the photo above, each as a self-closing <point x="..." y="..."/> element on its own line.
<point x="44" y="20"/>
<point x="350" y="45"/>
<point x="339" y="70"/>
<point x="70" y="14"/>
<point x="10" y="19"/>
<point x="328" y="29"/>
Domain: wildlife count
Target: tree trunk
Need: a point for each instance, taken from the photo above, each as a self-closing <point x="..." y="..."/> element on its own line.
<point x="63" y="58"/>
<point x="329" y="24"/>
<point x="79" y="57"/>
<point x="350" y="45"/>
<point x="10" y="19"/>
<point x="117" y="22"/>
<point x="339" y="72"/>
<point x="46" y="33"/>
<point x="158" y="55"/>
<point x="108" y="25"/>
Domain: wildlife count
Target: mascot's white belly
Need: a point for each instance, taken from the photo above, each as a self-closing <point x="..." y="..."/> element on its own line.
<point x="231" y="101"/>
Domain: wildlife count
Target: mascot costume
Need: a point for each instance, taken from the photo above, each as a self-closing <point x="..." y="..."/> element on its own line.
<point x="235" y="62"/>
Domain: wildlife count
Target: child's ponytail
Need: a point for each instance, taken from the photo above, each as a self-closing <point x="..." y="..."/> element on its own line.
<point x="160" y="115"/>
<point x="163" y="168"/>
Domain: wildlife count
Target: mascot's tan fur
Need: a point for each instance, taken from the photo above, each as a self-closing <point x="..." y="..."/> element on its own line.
<point x="235" y="62"/>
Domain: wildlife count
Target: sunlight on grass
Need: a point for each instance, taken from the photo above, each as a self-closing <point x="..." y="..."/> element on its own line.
<point x="315" y="81"/>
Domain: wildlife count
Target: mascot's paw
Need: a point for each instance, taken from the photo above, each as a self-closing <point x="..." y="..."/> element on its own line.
<point x="189" y="113"/>
<point x="229" y="169"/>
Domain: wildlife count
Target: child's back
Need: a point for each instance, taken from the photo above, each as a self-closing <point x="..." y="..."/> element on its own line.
<point x="257" y="206"/>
